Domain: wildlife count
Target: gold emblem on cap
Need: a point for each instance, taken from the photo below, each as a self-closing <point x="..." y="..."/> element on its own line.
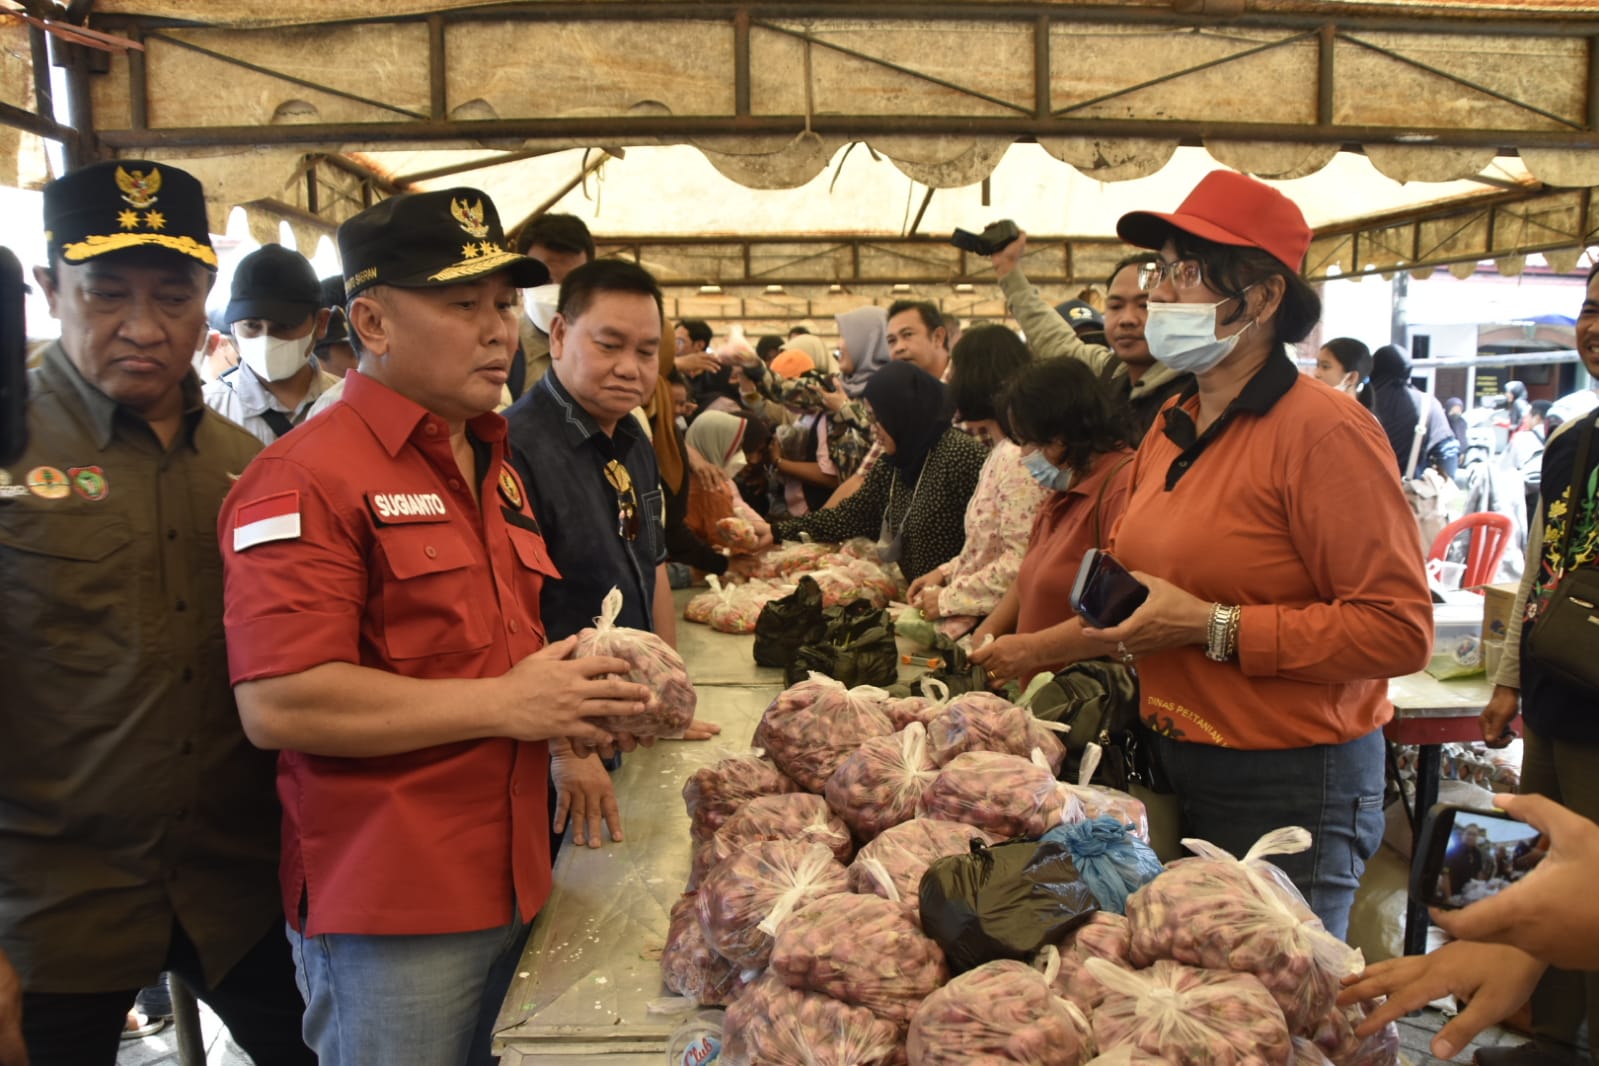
<point x="139" y="188"/>
<point x="127" y="219"/>
<point x="470" y="216"/>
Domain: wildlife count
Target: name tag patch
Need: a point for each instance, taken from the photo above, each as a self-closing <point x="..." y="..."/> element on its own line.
<point x="395" y="508"/>
<point x="275" y="517"/>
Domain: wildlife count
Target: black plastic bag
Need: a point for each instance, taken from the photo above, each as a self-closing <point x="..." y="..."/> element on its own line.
<point x="784" y="625"/>
<point x="857" y="647"/>
<point x="1099" y="700"/>
<point x="1003" y="902"/>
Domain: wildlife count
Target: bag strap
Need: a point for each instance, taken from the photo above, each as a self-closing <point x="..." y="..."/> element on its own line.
<point x="278" y="421"/>
<point x="1099" y="502"/>
<point x="1421" y="429"/>
<point x="1579" y="477"/>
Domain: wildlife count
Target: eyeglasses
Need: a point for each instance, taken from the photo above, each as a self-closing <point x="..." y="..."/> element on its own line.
<point x="1183" y="274"/>
<point x="627" y="512"/>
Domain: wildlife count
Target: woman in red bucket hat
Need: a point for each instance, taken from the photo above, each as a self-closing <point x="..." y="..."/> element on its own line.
<point x="1267" y="520"/>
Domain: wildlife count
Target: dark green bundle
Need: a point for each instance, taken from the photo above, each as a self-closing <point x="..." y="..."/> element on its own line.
<point x="786" y="624"/>
<point x="856" y="647"/>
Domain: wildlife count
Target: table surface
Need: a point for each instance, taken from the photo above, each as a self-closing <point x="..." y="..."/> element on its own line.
<point x="591" y="970"/>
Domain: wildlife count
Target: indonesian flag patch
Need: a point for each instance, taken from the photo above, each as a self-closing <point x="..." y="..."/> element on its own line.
<point x="275" y="517"/>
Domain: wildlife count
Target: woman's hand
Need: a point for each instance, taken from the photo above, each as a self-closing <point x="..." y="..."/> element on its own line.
<point x="700" y="729"/>
<point x="833" y="399"/>
<point x="1169" y="618"/>
<point x="1493" y="981"/>
<point x="1016" y="657"/>
<point x="708" y="474"/>
<point x="933" y="579"/>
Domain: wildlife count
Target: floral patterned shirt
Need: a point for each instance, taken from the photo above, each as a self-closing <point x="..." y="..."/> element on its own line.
<point x="999" y="519"/>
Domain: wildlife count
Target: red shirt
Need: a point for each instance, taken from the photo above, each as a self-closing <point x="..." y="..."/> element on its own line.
<point x="1063" y="532"/>
<point x="354" y="539"/>
<point x="1290" y="507"/>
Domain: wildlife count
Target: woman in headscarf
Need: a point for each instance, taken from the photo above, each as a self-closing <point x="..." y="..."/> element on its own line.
<point x="821" y="359"/>
<point x="1401" y="408"/>
<point x="723" y="440"/>
<point x="915" y="498"/>
<point x="862" y="346"/>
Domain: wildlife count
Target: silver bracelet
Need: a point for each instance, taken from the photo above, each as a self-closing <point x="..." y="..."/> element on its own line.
<point x="1222" y="636"/>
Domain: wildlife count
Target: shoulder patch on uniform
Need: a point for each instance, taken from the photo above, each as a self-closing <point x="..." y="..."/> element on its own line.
<point x="274" y="517"/>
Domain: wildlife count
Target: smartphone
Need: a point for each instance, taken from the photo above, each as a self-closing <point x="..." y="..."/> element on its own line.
<point x="1467" y="854"/>
<point x="995" y="237"/>
<point x="13" y="361"/>
<point x="1105" y="594"/>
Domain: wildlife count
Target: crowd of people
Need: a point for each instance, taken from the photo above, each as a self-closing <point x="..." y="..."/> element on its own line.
<point x="291" y="634"/>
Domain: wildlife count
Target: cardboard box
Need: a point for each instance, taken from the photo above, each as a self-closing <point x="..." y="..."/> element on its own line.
<point x="1497" y="602"/>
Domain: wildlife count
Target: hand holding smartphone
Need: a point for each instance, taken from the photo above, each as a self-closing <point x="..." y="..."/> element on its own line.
<point x="1467" y="854"/>
<point x="1105" y="594"/>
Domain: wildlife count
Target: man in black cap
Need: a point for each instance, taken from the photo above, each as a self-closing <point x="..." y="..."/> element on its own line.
<point x="333" y="351"/>
<point x="1084" y="319"/>
<point x="562" y="243"/>
<point x="138" y="826"/>
<point x="384" y="571"/>
<point x="275" y="316"/>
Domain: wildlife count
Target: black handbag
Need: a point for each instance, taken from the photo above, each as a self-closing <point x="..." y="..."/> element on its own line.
<point x="1563" y="635"/>
<point x="1098" y="699"/>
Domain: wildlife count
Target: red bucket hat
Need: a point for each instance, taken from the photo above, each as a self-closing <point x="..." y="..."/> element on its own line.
<point x="1228" y="208"/>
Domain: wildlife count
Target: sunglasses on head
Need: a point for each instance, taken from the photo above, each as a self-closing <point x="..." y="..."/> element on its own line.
<point x="627" y="509"/>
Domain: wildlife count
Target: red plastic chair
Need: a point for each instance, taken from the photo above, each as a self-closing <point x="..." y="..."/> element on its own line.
<point x="1490" y="536"/>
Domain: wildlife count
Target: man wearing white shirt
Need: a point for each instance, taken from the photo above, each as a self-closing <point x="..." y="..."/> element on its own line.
<point x="275" y="316"/>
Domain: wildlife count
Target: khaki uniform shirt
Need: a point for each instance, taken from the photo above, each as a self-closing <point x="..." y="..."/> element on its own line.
<point x="129" y="796"/>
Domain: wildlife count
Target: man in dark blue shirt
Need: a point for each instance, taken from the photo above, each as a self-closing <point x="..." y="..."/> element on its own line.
<point x="594" y="486"/>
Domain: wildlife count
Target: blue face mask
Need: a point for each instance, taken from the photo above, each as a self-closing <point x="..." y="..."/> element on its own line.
<point x="1047" y="473"/>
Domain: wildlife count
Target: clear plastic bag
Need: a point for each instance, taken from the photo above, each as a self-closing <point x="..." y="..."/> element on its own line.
<point x="1006" y="795"/>
<point x="746" y="898"/>
<point x="689" y="965"/>
<point x="1001" y="1012"/>
<point x="1335" y="1038"/>
<point x="1099" y="801"/>
<point x="772" y="1024"/>
<point x="981" y="721"/>
<point x="713" y="793"/>
<point x="812" y="726"/>
<point x="905" y="852"/>
<point x="1189" y="1016"/>
<point x="795" y="816"/>
<point x="1104" y="936"/>
<point x="1225" y="913"/>
<point x="880" y="783"/>
<point x="867" y="951"/>
<point x="654" y="664"/>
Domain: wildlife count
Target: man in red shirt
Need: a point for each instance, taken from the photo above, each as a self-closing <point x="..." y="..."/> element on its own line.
<point x="383" y="574"/>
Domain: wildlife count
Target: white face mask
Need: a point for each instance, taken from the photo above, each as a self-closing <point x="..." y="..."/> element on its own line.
<point x="272" y="358"/>
<point x="540" y="303"/>
<point x="1183" y="336"/>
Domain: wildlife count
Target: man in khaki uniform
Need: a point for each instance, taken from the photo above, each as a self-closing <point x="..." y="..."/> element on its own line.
<point x="138" y="827"/>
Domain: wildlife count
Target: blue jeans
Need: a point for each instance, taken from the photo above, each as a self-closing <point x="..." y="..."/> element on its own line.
<point x="1232" y="798"/>
<point x="378" y="1000"/>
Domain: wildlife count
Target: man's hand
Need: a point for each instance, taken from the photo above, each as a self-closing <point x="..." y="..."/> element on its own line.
<point x="554" y="695"/>
<point x="696" y="363"/>
<point x="1495" y="718"/>
<point x="1550" y="913"/>
<point x="700" y="729"/>
<point x="1009" y="257"/>
<point x="1493" y="981"/>
<point x="584" y="796"/>
<point x="12" y="1051"/>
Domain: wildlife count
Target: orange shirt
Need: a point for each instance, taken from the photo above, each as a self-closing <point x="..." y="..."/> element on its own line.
<point x="1289" y="506"/>
<point x="1063" y="532"/>
<point x="354" y="539"/>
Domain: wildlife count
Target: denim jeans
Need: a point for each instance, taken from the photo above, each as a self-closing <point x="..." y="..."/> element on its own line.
<point x="1232" y="798"/>
<point x="379" y="1000"/>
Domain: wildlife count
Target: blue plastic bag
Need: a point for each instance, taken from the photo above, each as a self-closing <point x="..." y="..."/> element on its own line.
<point x="1112" y="862"/>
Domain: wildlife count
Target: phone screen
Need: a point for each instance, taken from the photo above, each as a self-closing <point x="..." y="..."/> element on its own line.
<point x="1473" y="854"/>
<point x="1106" y="594"/>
